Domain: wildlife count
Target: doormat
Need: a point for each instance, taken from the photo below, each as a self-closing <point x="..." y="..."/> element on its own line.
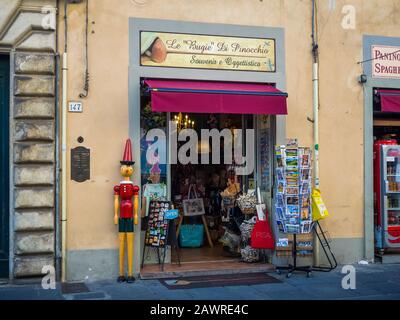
<point x="73" y="287"/>
<point x="240" y="279"/>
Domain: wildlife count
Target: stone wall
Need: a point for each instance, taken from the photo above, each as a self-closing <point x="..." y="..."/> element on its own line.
<point x="31" y="44"/>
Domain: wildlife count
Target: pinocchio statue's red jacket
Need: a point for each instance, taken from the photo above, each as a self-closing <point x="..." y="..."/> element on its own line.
<point x="126" y="190"/>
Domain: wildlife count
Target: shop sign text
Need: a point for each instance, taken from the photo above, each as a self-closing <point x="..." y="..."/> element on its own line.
<point x="164" y="49"/>
<point x="386" y="62"/>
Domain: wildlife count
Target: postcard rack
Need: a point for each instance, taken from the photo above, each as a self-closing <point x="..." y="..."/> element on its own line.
<point x="293" y="197"/>
<point x="294" y="267"/>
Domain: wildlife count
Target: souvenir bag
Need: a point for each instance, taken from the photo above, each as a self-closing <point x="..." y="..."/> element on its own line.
<point x="193" y="205"/>
<point x="261" y="235"/>
<point x="191" y="235"/>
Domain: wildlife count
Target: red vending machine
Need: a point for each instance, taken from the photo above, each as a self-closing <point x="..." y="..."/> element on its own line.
<point x="387" y="194"/>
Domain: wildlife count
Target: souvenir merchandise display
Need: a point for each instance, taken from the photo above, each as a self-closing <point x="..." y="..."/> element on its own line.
<point x="247" y="202"/>
<point x="157" y="228"/>
<point x="293" y="189"/>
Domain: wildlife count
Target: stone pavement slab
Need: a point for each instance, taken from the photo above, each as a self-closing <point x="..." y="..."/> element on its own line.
<point x="374" y="281"/>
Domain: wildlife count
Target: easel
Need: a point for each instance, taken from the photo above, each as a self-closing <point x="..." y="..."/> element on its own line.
<point x="173" y="239"/>
<point x="321" y="235"/>
<point x="170" y="239"/>
<point x="294" y="267"/>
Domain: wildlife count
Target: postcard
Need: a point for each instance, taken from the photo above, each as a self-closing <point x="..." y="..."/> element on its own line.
<point x="305" y="200"/>
<point x="293" y="228"/>
<point x="290" y="209"/>
<point x="280" y="174"/>
<point x="291" y="152"/>
<point x="282" y="242"/>
<point x="292" y="191"/>
<point x="306" y="227"/>
<point x="305" y="213"/>
<point x="292" y="161"/>
<point x="281" y="226"/>
<point x="305" y="174"/>
<point x="305" y="188"/>
<point x="279" y="200"/>
<point x="279" y="161"/>
<point x="305" y="160"/>
<point x="280" y="214"/>
<point x="281" y="187"/>
<point x="292" y="200"/>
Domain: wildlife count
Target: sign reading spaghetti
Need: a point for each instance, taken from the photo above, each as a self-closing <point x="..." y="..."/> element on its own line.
<point x="386" y="62"/>
<point x="206" y="52"/>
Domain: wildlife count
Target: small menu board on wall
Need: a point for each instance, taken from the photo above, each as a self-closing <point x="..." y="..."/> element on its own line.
<point x="157" y="227"/>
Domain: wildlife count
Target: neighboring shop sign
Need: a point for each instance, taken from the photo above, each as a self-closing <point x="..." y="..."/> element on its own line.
<point x="386" y="62"/>
<point x="207" y="52"/>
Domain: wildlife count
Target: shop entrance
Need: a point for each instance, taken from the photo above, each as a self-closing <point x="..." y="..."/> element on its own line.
<point x="386" y="132"/>
<point x="209" y="231"/>
<point x="4" y="166"/>
<point x="208" y="182"/>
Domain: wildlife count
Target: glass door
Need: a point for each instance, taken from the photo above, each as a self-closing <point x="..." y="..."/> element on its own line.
<point x="391" y="195"/>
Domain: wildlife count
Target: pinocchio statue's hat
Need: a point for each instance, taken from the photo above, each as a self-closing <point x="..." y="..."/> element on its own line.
<point x="127" y="159"/>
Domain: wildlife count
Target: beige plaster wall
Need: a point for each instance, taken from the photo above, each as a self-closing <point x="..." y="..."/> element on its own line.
<point x="104" y="122"/>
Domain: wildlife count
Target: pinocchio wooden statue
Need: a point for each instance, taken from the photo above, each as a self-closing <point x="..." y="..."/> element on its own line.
<point x="126" y="203"/>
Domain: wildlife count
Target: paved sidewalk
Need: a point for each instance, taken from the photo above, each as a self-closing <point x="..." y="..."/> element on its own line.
<point x="374" y="281"/>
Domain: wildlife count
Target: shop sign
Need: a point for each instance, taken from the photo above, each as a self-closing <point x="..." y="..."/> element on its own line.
<point x="164" y="49"/>
<point x="386" y="62"/>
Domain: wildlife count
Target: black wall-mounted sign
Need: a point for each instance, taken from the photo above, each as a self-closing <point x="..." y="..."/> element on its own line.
<point x="80" y="164"/>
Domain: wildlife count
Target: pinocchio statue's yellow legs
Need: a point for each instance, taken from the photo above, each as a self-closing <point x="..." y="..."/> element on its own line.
<point x="129" y="240"/>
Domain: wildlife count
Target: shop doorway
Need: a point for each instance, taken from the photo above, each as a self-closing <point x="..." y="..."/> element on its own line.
<point x="4" y="165"/>
<point x="386" y="135"/>
<point x="208" y="180"/>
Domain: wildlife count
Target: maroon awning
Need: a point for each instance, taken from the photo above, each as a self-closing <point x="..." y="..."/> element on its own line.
<point x="215" y="97"/>
<point x="390" y="100"/>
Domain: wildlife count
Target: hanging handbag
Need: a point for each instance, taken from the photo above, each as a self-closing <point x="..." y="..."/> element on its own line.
<point x="193" y="206"/>
<point x="261" y="235"/>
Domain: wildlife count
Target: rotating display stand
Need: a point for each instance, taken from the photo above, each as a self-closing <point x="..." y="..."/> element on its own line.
<point x="294" y="267"/>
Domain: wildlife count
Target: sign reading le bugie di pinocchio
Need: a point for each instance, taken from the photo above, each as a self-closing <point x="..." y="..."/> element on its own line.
<point x="182" y="50"/>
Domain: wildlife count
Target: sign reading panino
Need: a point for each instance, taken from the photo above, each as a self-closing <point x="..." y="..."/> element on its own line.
<point x="386" y="61"/>
<point x="181" y="50"/>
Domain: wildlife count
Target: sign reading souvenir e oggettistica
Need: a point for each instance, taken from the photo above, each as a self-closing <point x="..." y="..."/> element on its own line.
<point x="179" y="50"/>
